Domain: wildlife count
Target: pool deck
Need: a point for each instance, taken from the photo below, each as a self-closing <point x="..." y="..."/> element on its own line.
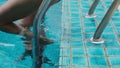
<point x="76" y="51"/>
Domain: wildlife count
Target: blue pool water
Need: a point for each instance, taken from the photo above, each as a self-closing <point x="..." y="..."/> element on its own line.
<point x="12" y="47"/>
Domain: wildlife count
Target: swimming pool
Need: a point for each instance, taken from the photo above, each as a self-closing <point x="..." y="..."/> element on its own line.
<point x="71" y="32"/>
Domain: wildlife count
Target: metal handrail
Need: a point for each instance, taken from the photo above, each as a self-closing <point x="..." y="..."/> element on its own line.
<point x="37" y="49"/>
<point x="92" y="9"/>
<point x="96" y="38"/>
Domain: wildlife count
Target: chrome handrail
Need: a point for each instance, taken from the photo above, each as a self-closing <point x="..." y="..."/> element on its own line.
<point x="96" y="38"/>
<point x="92" y="9"/>
<point x="37" y="53"/>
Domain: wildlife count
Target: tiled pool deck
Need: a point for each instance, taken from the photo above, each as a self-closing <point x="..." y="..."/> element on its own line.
<point x="75" y="50"/>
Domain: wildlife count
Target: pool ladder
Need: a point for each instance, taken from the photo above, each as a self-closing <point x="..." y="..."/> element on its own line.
<point x="37" y="31"/>
<point x="96" y="39"/>
<point x="37" y="50"/>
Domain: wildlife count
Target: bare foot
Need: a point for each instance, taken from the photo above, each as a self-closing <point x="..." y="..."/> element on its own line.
<point x="28" y="46"/>
<point x="45" y="41"/>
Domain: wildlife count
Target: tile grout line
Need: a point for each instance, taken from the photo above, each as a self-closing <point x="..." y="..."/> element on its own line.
<point x="63" y="33"/>
<point x="83" y="39"/>
<point x="71" y="56"/>
<point x="61" y="58"/>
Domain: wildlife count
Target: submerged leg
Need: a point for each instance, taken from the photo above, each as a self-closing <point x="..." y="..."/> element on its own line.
<point x="28" y="21"/>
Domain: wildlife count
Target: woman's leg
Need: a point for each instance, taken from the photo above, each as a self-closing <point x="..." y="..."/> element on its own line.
<point x="28" y="21"/>
<point x="14" y="10"/>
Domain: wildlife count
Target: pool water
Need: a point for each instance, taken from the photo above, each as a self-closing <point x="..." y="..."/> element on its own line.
<point x="12" y="47"/>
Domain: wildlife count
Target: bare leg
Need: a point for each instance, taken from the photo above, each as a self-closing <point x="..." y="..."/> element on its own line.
<point x="27" y="22"/>
<point x="13" y="10"/>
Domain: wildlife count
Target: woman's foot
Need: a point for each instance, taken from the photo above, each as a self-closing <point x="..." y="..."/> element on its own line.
<point x="28" y="46"/>
<point x="44" y="41"/>
<point x="27" y="37"/>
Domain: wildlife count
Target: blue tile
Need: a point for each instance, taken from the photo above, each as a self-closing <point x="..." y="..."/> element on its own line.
<point x="108" y="2"/>
<point x="78" y="66"/>
<point x="73" y="20"/>
<point x="118" y="30"/>
<point x="117" y="66"/>
<point x="74" y="10"/>
<point x="76" y="15"/>
<point x="74" y="2"/>
<point x="99" y="6"/>
<point x="88" y="35"/>
<point x="78" y="51"/>
<point x="64" y="66"/>
<point x="98" y="62"/>
<point x="76" y="36"/>
<point x="99" y="19"/>
<point x="95" y="51"/>
<point x="75" y="24"/>
<point x="74" y="7"/>
<point x="116" y="19"/>
<point x="65" y="52"/>
<point x="109" y="29"/>
<point x="90" y="24"/>
<point x="118" y="35"/>
<point x="76" y="30"/>
<point x="89" y="44"/>
<point x="109" y="36"/>
<point x="99" y="67"/>
<point x="100" y="11"/>
<point x="81" y="61"/>
<point x="113" y="43"/>
<point x="66" y="61"/>
<point x="113" y="51"/>
<point x="116" y="22"/>
<point x="84" y="2"/>
<point x="85" y="11"/>
<point x="77" y="44"/>
<point x="116" y="14"/>
<point x="89" y="30"/>
<point x="87" y="20"/>
<point x="114" y="60"/>
<point x="85" y="6"/>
